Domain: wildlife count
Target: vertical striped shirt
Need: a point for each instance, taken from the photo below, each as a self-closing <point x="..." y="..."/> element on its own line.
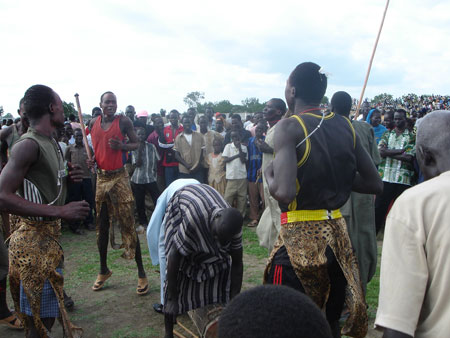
<point x="205" y="268"/>
<point x="146" y="172"/>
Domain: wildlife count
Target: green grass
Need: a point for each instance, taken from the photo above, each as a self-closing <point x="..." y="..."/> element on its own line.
<point x="373" y="289"/>
<point x="127" y="332"/>
<point x="251" y="244"/>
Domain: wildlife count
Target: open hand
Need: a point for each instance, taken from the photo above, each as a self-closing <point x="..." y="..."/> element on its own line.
<point x="115" y="143"/>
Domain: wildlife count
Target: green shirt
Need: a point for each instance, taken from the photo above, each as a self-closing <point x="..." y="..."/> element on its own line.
<point x="45" y="181"/>
<point x="396" y="171"/>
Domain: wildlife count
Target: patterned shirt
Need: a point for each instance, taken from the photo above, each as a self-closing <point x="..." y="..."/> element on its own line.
<point x="254" y="161"/>
<point x="189" y="216"/>
<point x="396" y="171"/>
<point x="146" y="172"/>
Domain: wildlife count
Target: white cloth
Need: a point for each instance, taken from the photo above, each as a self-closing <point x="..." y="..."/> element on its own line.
<point x="235" y="170"/>
<point x="155" y="229"/>
<point x="270" y="222"/>
<point x="415" y="264"/>
<point x="188" y="138"/>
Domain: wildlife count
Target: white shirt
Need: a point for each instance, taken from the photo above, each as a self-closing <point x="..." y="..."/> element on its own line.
<point x="235" y="169"/>
<point x="188" y="138"/>
<point x="415" y="265"/>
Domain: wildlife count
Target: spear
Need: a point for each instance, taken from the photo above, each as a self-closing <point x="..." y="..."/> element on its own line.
<point x="371" y="60"/>
<point x="83" y="129"/>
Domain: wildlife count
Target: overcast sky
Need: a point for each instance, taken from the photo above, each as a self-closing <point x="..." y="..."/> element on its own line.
<point x="152" y="53"/>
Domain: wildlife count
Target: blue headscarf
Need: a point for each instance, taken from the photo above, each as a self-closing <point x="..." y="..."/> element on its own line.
<point x="378" y="130"/>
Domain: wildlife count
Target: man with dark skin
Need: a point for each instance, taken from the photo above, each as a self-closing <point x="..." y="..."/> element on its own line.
<point x="192" y="112"/>
<point x="189" y="151"/>
<point x="397" y="149"/>
<point x="237" y="126"/>
<point x="209" y="136"/>
<point x="220" y="127"/>
<point x="311" y="181"/>
<point x="10" y="135"/>
<point x="269" y="223"/>
<point x="388" y="121"/>
<point x="130" y="112"/>
<point x="114" y="197"/>
<point x="209" y="113"/>
<point x="216" y="230"/>
<point x="166" y="142"/>
<point x="25" y="160"/>
<point x="413" y="300"/>
<point x="153" y="138"/>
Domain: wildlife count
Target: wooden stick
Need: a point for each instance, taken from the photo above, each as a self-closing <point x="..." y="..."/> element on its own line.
<point x="187" y="330"/>
<point x="83" y="129"/>
<point x="371" y="60"/>
<point x="178" y="334"/>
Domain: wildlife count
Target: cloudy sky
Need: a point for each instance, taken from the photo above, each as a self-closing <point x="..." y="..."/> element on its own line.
<point x="152" y="53"/>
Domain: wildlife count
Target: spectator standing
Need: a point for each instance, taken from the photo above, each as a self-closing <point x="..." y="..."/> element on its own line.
<point x="145" y="160"/>
<point x="209" y="136"/>
<point x="79" y="191"/>
<point x="188" y="150"/>
<point x="153" y="139"/>
<point x="236" y="125"/>
<point x="397" y="149"/>
<point x="235" y="157"/>
<point x="166" y="142"/>
<point x="216" y="168"/>
<point x="254" y="176"/>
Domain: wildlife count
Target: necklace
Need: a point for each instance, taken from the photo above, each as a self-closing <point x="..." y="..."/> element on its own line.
<point x="307" y="110"/>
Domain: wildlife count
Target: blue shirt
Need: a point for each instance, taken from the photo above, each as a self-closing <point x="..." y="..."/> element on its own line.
<point x="254" y="160"/>
<point x="157" y="223"/>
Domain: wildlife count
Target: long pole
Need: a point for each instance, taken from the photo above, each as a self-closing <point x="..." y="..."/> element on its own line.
<point x="371" y="60"/>
<point x="83" y="129"/>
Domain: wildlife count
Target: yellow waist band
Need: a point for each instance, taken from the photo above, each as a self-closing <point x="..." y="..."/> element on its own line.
<point x="309" y="215"/>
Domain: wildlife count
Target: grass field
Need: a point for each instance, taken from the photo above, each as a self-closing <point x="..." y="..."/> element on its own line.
<point x="116" y="311"/>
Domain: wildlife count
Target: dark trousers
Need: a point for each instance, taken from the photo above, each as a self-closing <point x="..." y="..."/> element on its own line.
<point x="170" y="174"/>
<point x="282" y="273"/>
<point x="390" y="193"/>
<point x="78" y="191"/>
<point x="139" y="191"/>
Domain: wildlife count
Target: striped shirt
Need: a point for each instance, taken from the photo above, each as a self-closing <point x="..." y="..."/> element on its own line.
<point x="146" y="172"/>
<point x="205" y="268"/>
<point x="254" y="160"/>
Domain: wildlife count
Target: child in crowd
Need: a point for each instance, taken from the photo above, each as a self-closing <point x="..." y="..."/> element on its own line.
<point x="255" y="185"/>
<point x="145" y="159"/>
<point x="235" y="157"/>
<point x="216" y="173"/>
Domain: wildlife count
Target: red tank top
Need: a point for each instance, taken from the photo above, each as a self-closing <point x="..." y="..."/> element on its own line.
<point x="107" y="158"/>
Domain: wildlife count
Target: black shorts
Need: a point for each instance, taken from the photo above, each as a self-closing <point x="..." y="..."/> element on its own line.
<point x="282" y="273"/>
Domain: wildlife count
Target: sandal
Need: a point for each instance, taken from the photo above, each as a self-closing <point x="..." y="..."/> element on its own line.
<point x="252" y="224"/>
<point x="142" y="288"/>
<point x="13" y="322"/>
<point x="100" y="282"/>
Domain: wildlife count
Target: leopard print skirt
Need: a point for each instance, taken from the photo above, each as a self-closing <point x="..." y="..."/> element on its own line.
<point x="306" y="243"/>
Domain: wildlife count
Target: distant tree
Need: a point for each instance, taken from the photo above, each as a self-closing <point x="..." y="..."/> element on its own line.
<point x="324" y="100"/>
<point x="252" y="105"/>
<point x="193" y="99"/>
<point x="382" y="98"/>
<point x="69" y="108"/>
<point x="8" y="116"/>
<point x="224" y="106"/>
<point x="1" y="110"/>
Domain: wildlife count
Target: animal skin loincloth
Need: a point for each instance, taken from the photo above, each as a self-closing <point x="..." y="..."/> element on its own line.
<point x="306" y="243"/>
<point x="114" y="189"/>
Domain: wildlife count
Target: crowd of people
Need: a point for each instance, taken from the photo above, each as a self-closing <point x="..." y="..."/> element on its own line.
<point x="317" y="182"/>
